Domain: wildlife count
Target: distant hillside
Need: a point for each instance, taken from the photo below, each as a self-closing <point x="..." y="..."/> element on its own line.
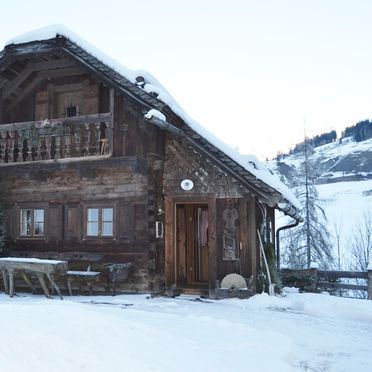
<point x="359" y="132"/>
<point x="344" y="186"/>
<point x="339" y="161"/>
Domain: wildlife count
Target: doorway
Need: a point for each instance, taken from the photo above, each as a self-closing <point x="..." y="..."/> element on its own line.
<point x="192" y="238"/>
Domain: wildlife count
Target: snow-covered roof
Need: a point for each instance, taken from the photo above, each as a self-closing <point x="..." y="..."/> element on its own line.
<point x="151" y="85"/>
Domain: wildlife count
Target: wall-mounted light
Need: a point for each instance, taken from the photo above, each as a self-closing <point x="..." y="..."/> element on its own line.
<point x="159" y="229"/>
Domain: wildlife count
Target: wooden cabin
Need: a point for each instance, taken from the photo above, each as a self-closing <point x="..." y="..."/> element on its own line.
<point x="98" y="165"/>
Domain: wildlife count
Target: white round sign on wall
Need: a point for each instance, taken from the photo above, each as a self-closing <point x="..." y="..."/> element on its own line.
<point x="187" y="185"/>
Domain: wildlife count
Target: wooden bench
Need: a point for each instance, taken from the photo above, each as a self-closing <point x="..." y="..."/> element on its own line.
<point x="87" y="278"/>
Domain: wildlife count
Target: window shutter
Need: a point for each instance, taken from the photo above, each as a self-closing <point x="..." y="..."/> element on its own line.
<point x="54" y="222"/>
<point x="141" y="220"/>
<point x="125" y="221"/>
<point x="73" y="222"/>
<point x="11" y="218"/>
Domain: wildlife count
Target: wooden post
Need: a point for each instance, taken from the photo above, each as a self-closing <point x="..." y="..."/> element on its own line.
<point x="5" y="280"/>
<point x="313" y="279"/>
<point x="244" y="239"/>
<point x="169" y="243"/>
<point x="48" y="144"/>
<point x="28" y="282"/>
<point x="253" y="242"/>
<point x="212" y="260"/>
<point x="110" y="128"/>
<point x="69" y="287"/>
<point x="1" y="105"/>
<point x="11" y="282"/>
<point x="40" y="276"/>
<point x="54" y="285"/>
<point x="370" y="284"/>
<point x="57" y="153"/>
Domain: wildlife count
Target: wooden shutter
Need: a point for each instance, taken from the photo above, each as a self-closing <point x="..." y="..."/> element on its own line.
<point x="125" y="221"/>
<point x="11" y="219"/>
<point x="141" y="220"/>
<point x="73" y="222"/>
<point x="54" y="222"/>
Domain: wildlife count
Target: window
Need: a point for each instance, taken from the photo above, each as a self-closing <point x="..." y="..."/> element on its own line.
<point x="100" y="222"/>
<point x="32" y="222"/>
<point x="72" y="111"/>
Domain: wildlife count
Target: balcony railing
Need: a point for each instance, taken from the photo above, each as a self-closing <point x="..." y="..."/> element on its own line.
<point x="79" y="136"/>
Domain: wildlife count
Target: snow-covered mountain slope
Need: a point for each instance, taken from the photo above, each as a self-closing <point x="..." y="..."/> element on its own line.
<point x="343" y="160"/>
<point x="345" y="187"/>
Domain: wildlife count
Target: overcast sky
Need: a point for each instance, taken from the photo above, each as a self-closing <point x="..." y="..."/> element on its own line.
<point x="254" y="72"/>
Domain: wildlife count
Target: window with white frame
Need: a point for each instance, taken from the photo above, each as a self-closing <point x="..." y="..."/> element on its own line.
<point x="100" y="222"/>
<point x="32" y="222"/>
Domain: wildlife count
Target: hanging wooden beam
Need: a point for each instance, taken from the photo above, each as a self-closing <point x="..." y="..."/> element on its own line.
<point x="40" y="66"/>
<point x="38" y="79"/>
<point x="1" y="105"/>
<point x="112" y="111"/>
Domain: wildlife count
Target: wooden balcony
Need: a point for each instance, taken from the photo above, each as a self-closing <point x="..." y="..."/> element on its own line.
<point x="54" y="139"/>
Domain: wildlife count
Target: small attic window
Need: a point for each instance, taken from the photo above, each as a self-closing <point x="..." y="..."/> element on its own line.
<point x="72" y="111"/>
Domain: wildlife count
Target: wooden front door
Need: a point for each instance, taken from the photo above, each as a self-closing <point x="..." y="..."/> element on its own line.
<point x="192" y="245"/>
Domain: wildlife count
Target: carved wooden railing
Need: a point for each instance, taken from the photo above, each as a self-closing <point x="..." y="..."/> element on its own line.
<point x="79" y="136"/>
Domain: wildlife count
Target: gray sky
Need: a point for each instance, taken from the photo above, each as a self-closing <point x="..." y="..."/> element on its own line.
<point x="251" y="71"/>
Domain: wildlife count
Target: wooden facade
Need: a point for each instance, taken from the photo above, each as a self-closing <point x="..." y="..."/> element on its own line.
<point x="86" y="178"/>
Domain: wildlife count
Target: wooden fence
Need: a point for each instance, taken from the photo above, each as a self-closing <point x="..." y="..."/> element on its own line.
<point x="315" y="280"/>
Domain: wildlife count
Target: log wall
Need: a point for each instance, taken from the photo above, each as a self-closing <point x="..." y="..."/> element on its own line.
<point x="139" y="178"/>
<point x="236" y="216"/>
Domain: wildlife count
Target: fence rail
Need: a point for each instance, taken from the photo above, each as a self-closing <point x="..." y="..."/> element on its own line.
<point x="313" y="280"/>
<point x="56" y="138"/>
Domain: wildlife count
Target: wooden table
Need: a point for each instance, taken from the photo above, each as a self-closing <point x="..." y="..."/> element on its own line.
<point x="24" y="266"/>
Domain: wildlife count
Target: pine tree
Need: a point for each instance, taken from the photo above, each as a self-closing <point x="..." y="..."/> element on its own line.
<point x="309" y="242"/>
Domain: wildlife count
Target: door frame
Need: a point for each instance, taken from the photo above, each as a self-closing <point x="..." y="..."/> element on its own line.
<point x="170" y="266"/>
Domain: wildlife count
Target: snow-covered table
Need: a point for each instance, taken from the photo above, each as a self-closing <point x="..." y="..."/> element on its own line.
<point x="24" y="266"/>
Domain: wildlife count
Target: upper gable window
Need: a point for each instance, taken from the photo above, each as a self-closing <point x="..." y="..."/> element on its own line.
<point x="72" y="111"/>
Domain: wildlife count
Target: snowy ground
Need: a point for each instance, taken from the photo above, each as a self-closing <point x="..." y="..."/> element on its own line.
<point x="345" y="204"/>
<point x="299" y="332"/>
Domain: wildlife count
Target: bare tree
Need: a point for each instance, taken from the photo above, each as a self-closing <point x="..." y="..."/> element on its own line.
<point x="337" y="227"/>
<point x="361" y="243"/>
<point x="360" y="246"/>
